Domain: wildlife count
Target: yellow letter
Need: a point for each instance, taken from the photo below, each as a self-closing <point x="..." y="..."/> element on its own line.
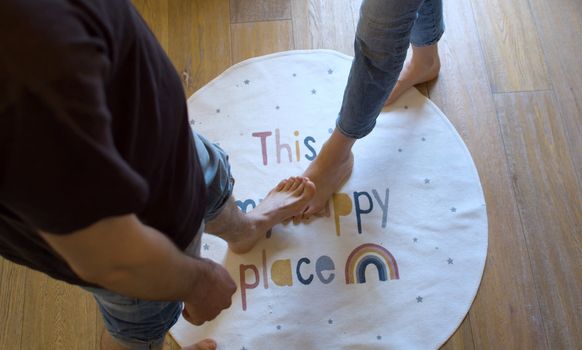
<point x="281" y="273"/>
<point x="342" y="206"/>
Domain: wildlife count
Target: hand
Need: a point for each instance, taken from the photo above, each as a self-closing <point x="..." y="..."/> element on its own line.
<point x="213" y="295"/>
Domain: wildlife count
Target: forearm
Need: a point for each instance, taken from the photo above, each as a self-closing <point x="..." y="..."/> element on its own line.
<point x="154" y="269"/>
<point x="125" y="256"/>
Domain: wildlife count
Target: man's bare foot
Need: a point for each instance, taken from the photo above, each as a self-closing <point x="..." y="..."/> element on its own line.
<point x="206" y="344"/>
<point x="330" y="169"/>
<point x="289" y="198"/>
<point x="423" y="66"/>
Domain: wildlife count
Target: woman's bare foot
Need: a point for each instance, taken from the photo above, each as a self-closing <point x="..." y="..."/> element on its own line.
<point x="206" y="344"/>
<point x="423" y="66"/>
<point x="289" y="198"/>
<point x="330" y="169"/>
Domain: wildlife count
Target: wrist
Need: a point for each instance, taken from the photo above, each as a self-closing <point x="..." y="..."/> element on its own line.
<point x="200" y="275"/>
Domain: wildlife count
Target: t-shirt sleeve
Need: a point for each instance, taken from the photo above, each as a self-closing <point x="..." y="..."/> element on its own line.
<point x="60" y="169"/>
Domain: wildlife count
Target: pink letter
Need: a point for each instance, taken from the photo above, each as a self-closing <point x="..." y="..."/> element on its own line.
<point x="244" y="286"/>
<point x="281" y="146"/>
<point x="263" y="135"/>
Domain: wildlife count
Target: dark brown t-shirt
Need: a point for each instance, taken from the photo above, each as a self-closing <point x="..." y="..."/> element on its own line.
<point x="93" y="124"/>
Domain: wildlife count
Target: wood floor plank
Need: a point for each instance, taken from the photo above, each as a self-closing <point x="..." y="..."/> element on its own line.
<point x="100" y="328"/>
<point x="259" y="10"/>
<point x="550" y="203"/>
<point x="559" y="23"/>
<point x="57" y="315"/>
<point x="462" y="339"/>
<point x="12" y="299"/>
<point x="155" y="13"/>
<point x="260" y="38"/>
<point x="511" y="45"/>
<point x="423" y="89"/>
<point x="170" y="343"/>
<point x="355" y="6"/>
<point x="505" y="313"/>
<point x="324" y="24"/>
<point x="520" y="300"/>
<point x="199" y="40"/>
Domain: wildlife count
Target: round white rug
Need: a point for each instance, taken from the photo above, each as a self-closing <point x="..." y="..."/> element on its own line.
<point x="398" y="261"/>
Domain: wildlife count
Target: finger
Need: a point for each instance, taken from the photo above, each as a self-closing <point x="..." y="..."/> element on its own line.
<point x="187" y="317"/>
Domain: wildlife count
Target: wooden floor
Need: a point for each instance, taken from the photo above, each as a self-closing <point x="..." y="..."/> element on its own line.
<point x="511" y="83"/>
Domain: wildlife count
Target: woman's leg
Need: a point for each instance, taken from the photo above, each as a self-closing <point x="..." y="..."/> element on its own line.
<point x="382" y="38"/>
<point x="424" y="64"/>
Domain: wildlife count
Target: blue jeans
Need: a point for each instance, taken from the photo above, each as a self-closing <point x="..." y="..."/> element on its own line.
<point x="385" y="30"/>
<point x="142" y="324"/>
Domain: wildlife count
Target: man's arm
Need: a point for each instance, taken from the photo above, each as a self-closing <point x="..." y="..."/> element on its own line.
<point x="127" y="257"/>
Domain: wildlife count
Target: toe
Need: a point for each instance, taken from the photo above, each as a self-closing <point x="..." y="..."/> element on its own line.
<point x="207" y="344"/>
<point x="296" y="184"/>
<point x="281" y="185"/>
<point x="297" y="220"/>
<point x="288" y="184"/>
<point x="300" y="188"/>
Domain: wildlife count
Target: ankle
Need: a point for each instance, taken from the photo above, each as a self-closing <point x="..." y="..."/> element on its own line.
<point x="427" y="56"/>
<point x="338" y="145"/>
<point x="257" y="222"/>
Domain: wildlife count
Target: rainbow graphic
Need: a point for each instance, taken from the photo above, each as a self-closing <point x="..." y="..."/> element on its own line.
<point x="370" y="254"/>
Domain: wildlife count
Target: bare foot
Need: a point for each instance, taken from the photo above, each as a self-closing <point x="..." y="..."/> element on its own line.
<point x="206" y="344"/>
<point x="330" y="169"/>
<point x="289" y="198"/>
<point x="423" y="66"/>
